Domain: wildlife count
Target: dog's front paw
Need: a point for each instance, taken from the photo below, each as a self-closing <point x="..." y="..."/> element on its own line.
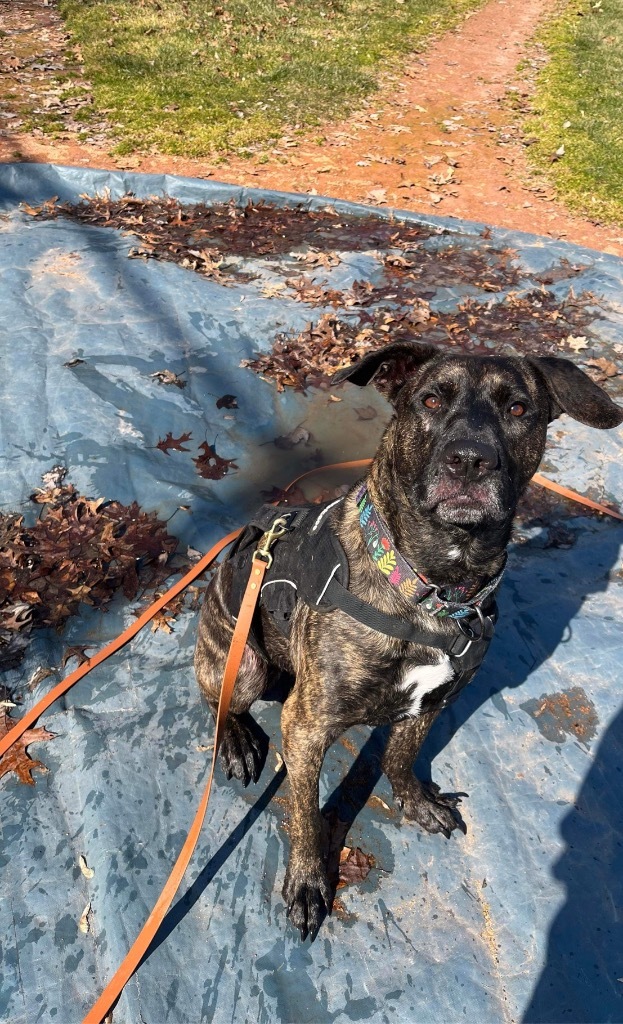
<point x="241" y="751"/>
<point x="308" y="896"/>
<point x="432" y="810"/>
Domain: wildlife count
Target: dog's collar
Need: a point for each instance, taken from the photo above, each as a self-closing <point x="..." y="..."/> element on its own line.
<point x="450" y="601"/>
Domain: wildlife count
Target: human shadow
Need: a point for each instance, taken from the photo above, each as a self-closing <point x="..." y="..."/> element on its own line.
<point x="582" y="980"/>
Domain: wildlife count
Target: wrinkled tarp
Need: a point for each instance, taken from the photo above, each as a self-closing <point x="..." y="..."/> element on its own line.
<point x="520" y="919"/>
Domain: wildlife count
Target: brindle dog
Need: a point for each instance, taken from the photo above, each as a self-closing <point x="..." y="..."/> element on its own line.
<point x="466" y="436"/>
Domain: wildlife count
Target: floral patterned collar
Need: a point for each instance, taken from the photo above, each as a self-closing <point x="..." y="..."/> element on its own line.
<point x="449" y="601"/>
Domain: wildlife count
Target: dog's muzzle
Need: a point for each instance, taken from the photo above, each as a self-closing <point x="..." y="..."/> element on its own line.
<point x="469" y="482"/>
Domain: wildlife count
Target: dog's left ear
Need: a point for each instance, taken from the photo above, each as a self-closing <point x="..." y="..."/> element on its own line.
<point x="389" y="367"/>
<point x="573" y="392"/>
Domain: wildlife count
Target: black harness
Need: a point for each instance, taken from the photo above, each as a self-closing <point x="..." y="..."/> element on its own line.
<point x="310" y="565"/>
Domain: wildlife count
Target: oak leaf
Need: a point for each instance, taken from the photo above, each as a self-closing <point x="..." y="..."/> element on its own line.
<point x="78" y="651"/>
<point x="168" y="377"/>
<point x="355" y="866"/>
<point x="212" y="466"/>
<point x="176" y="443"/>
<point x="17" y="758"/>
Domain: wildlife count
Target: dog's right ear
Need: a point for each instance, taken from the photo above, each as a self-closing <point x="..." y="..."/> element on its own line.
<point x="389" y="367"/>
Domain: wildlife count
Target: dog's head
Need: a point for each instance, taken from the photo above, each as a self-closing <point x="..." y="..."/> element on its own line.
<point x="469" y="431"/>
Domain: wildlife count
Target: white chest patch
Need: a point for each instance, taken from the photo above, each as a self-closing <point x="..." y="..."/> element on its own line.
<point x="422" y="679"/>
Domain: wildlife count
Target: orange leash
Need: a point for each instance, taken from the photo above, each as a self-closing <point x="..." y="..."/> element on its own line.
<point x="128" y="634"/>
<point x="355" y="464"/>
<point x="141" y="944"/>
<point x="143" y="940"/>
<point x="566" y="493"/>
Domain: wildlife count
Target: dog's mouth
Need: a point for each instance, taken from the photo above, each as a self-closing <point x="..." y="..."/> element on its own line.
<point x="457" y="501"/>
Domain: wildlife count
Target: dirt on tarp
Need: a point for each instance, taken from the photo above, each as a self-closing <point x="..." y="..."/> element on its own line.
<point x="569" y="713"/>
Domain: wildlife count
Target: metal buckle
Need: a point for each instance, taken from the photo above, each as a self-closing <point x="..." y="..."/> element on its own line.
<point x="262" y="552"/>
<point x="471" y="636"/>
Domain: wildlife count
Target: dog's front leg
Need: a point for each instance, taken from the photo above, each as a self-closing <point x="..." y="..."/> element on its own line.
<point x="306" y="889"/>
<point x="433" y="810"/>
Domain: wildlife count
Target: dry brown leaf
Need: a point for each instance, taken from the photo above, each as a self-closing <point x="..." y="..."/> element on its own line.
<point x="376" y="196"/>
<point x="272" y="288"/>
<point x="227" y="402"/>
<point x="606" y="367"/>
<point x="77" y="651"/>
<point x="576" y="343"/>
<point x="17" y="759"/>
<point x="355" y="866"/>
<point x="169" y="442"/>
<point x="165" y="377"/>
<point x="84" y="924"/>
<point x="210" y="465"/>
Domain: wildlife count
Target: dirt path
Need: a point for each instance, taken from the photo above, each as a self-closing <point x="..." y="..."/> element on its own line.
<point x="440" y="139"/>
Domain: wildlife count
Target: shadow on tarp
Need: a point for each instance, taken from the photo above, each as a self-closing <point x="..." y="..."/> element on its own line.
<point x="186" y="902"/>
<point x="582" y="980"/>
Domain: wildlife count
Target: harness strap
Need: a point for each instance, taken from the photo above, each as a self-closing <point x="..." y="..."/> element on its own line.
<point x="392" y="625"/>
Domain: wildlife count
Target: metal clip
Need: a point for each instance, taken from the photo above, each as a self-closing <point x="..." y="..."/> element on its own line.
<point x="468" y="631"/>
<point x="262" y="552"/>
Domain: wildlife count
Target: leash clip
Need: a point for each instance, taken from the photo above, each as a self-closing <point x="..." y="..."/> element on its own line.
<point x="262" y="552"/>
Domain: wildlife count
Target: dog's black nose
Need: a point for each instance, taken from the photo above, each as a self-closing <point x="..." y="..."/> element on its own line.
<point x="469" y="460"/>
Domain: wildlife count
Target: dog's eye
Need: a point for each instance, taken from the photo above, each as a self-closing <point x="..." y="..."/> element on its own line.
<point x="432" y="402"/>
<point x="517" y="409"/>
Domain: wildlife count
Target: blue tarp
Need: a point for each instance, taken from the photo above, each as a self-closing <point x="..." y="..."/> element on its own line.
<point x="520" y="920"/>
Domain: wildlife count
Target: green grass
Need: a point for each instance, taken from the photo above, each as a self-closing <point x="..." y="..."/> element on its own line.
<point x="197" y="76"/>
<point x="582" y="87"/>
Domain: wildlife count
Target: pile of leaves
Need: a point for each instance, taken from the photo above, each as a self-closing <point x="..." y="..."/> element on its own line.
<point x="531" y="324"/>
<point x="202" y="237"/>
<point x="209" y="240"/>
<point x="205" y="239"/>
<point x="411" y="279"/>
<point x="78" y="551"/>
